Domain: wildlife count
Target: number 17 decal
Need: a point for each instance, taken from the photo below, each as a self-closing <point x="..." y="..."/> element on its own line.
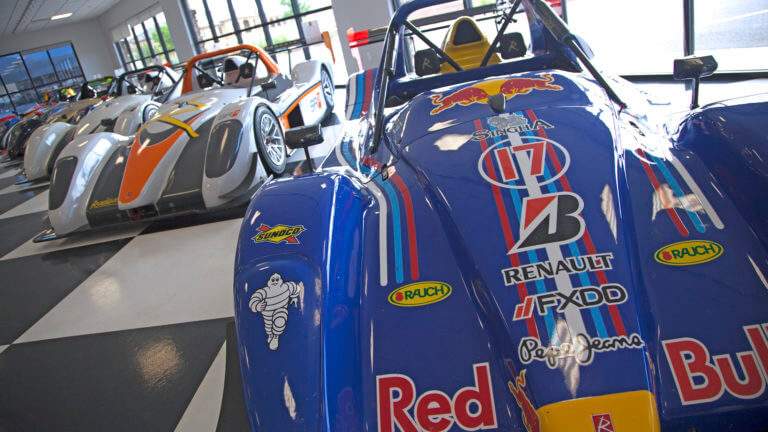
<point x="551" y="219"/>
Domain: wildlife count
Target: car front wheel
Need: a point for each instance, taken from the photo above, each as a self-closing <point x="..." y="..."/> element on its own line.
<point x="269" y="141"/>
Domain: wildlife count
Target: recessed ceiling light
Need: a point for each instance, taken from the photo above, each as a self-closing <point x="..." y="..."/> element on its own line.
<point x="62" y="16"/>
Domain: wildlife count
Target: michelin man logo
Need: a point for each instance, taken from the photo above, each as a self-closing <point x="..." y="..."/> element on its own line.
<point x="272" y="301"/>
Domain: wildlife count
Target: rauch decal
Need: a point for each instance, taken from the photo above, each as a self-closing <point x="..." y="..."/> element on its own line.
<point x="420" y="294"/>
<point x="582" y="349"/>
<point x="702" y="378"/>
<point x="278" y="234"/>
<point x="470" y="408"/>
<point x="689" y="252"/>
<point x="272" y="302"/>
<point x="580" y="298"/>
<point x="530" y="416"/>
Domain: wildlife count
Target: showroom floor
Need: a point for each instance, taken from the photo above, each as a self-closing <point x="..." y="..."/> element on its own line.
<point x="130" y="329"/>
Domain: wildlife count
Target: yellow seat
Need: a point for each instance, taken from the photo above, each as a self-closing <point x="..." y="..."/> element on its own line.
<point x="467" y="45"/>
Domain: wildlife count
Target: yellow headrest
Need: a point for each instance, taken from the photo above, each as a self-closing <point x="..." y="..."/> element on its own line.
<point x="466" y="44"/>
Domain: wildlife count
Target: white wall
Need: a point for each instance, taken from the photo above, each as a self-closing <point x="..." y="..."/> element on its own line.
<point x="361" y="15"/>
<point x="92" y="49"/>
<point x="126" y="9"/>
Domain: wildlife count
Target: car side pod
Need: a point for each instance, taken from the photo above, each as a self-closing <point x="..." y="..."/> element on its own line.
<point x="694" y="68"/>
<point x="304" y="137"/>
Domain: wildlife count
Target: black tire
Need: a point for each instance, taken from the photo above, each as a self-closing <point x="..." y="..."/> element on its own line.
<point x="328" y="90"/>
<point x="270" y="142"/>
<point x="149" y="112"/>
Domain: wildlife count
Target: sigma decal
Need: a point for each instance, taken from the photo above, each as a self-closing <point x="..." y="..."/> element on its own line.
<point x="530" y="416"/>
<point x="272" y="302"/>
<point x="507" y="123"/>
<point x="278" y="234"/>
<point x="548" y="269"/>
<point x="549" y="243"/>
<point x="685" y="193"/>
<point x="391" y="204"/>
<point x="579" y="298"/>
<point x="582" y="349"/>
<point x="470" y="408"/>
<point x="420" y="294"/>
<point x="702" y="378"/>
<point x="603" y="423"/>
<point x="480" y="92"/>
<point x="107" y="202"/>
<point x="688" y="252"/>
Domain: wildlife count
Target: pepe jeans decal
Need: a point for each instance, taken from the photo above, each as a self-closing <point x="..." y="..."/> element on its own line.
<point x="550" y="269"/>
<point x="278" y="234"/>
<point x="702" y="377"/>
<point x="471" y="408"/>
<point x="530" y="416"/>
<point x="551" y="219"/>
<point x="582" y="349"/>
<point x="272" y="302"/>
<point x="508" y="123"/>
<point x="420" y="294"/>
<point x="688" y="252"/>
<point x="579" y="298"/>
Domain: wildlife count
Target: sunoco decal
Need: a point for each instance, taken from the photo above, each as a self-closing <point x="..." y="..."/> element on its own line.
<point x="701" y="377"/>
<point x="420" y="294"/>
<point x="480" y="92"/>
<point x="688" y="252"/>
<point x="470" y="408"/>
<point x="278" y="234"/>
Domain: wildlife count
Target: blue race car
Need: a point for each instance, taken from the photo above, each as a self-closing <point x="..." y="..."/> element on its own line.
<point x="505" y="238"/>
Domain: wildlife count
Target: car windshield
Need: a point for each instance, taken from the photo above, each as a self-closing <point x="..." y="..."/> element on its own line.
<point x="229" y="70"/>
<point x="156" y="82"/>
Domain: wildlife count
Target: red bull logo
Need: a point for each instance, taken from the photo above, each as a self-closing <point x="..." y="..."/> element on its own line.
<point x="480" y="92"/>
<point x="530" y="416"/>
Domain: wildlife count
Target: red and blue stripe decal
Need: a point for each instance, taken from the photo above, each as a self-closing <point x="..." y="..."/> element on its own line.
<point x="360" y="92"/>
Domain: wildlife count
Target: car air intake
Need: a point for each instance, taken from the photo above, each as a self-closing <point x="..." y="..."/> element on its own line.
<point x="60" y="181"/>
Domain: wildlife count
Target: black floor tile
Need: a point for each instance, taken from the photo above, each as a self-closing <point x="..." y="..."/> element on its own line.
<point x="232" y="416"/>
<point x="17" y="230"/>
<point x="133" y="380"/>
<point x="12" y="199"/>
<point x="32" y="285"/>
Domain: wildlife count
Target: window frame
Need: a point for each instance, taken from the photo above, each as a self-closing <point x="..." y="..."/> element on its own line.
<point x="145" y="60"/>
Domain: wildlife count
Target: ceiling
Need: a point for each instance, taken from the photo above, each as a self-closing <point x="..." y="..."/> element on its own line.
<point x="19" y="16"/>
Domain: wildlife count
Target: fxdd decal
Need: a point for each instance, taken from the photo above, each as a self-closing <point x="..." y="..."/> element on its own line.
<point x="523" y="165"/>
<point x="272" y="302"/>
<point x="579" y="298"/>
<point x="602" y="423"/>
<point x="551" y="219"/>
<point x="688" y="252"/>
<point x="530" y="416"/>
<point x="700" y="378"/>
<point x="480" y="92"/>
<point x="278" y="234"/>
<point x="420" y="294"/>
<point x="471" y="408"/>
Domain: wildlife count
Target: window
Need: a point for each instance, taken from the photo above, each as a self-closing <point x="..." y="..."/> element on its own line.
<point x="145" y="41"/>
<point x="26" y="76"/>
<point x="734" y="32"/>
<point x="289" y="30"/>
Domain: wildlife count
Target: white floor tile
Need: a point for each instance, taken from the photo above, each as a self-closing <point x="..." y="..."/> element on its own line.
<point x="10" y="173"/>
<point x="3" y="347"/>
<point x="157" y="279"/>
<point x="22" y="187"/>
<point x="76" y="240"/>
<point x="37" y="204"/>
<point x="202" y="414"/>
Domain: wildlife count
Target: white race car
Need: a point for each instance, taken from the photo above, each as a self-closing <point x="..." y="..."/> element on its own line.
<point x="210" y="148"/>
<point x="134" y="99"/>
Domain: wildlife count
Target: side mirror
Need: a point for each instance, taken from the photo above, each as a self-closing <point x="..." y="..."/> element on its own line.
<point x="426" y="62"/>
<point x="269" y="85"/>
<point x="694" y="68"/>
<point x="512" y="46"/>
<point x="246" y="70"/>
<point x="108" y="123"/>
<point x="304" y="137"/>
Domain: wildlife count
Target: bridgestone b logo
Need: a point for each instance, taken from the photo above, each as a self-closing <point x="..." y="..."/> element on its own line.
<point x="278" y="234"/>
<point x="551" y="219"/>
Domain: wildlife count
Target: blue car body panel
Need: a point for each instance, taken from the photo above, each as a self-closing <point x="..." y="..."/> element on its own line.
<point x="566" y="237"/>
